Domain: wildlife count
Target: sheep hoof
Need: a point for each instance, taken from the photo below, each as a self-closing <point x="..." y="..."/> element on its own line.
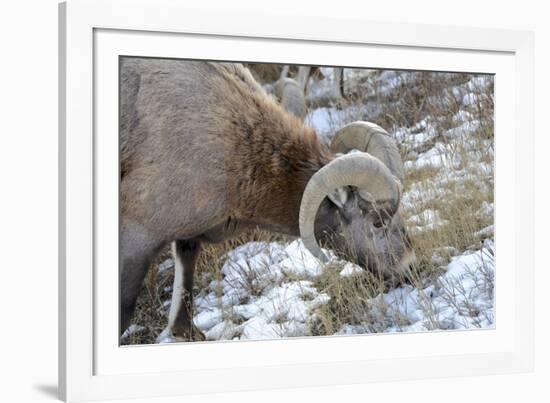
<point x="197" y="334"/>
<point x="193" y="334"/>
<point x="179" y="334"/>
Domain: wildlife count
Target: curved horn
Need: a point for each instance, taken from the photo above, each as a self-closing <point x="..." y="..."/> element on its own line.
<point x="358" y="169"/>
<point x="370" y="138"/>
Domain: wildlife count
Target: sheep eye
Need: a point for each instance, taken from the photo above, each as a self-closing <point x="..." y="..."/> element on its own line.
<point x="380" y="224"/>
<point x="380" y="219"/>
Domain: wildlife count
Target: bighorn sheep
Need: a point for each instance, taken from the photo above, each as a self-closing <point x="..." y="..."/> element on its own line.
<point x="206" y="153"/>
<point x="291" y="93"/>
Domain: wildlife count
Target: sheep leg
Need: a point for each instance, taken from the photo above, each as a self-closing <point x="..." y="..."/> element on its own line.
<point x="338" y="84"/>
<point x="303" y="76"/>
<point x="180" y="318"/>
<point x="136" y="252"/>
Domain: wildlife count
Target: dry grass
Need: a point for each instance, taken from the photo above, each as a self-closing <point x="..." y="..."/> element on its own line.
<point x="151" y="314"/>
<point x="456" y="191"/>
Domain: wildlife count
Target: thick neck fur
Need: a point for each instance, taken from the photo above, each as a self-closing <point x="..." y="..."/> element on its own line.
<point x="276" y="155"/>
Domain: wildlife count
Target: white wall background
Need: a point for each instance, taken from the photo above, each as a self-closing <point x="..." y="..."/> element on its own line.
<point x="28" y="200"/>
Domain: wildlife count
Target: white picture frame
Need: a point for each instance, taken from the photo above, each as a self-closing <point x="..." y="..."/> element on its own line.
<point x="93" y="33"/>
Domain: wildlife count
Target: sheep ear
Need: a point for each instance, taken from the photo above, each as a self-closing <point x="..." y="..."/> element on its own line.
<point x="339" y="196"/>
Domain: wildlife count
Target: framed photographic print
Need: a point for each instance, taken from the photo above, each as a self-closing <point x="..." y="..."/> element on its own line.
<point x="346" y="202"/>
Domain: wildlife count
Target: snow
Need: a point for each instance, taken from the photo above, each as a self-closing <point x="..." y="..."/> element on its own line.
<point x="326" y="120"/>
<point x="350" y="269"/>
<point x="132" y="329"/>
<point x="269" y="290"/>
<point x="167" y="264"/>
<point x="467" y="126"/>
<point x="390" y="80"/>
<point x="207" y="319"/>
<point x="486" y="231"/>
<point x="299" y="261"/>
<point x="421" y="133"/>
<point x="224" y="330"/>
<point x="419" y="193"/>
<point x="428" y="219"/>
<point x="265" y="293"/>
<point x="440" y="155"/>
<point x="486" y="209"/>
<point x="461" y="298"/>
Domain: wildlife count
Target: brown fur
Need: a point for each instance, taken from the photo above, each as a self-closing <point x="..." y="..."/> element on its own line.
<point x="204" y="152"/>
<point x="231" y="156"/>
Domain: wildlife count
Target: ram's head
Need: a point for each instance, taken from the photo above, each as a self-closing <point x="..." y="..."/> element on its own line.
<point x="352" y="204"/>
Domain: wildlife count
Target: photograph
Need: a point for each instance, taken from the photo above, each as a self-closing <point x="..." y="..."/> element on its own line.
<point x="265" y="201"/>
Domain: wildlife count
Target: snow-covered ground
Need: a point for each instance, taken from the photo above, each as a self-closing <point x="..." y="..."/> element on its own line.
<point x="271" y="290"/>
<point x="267" y="292"/>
